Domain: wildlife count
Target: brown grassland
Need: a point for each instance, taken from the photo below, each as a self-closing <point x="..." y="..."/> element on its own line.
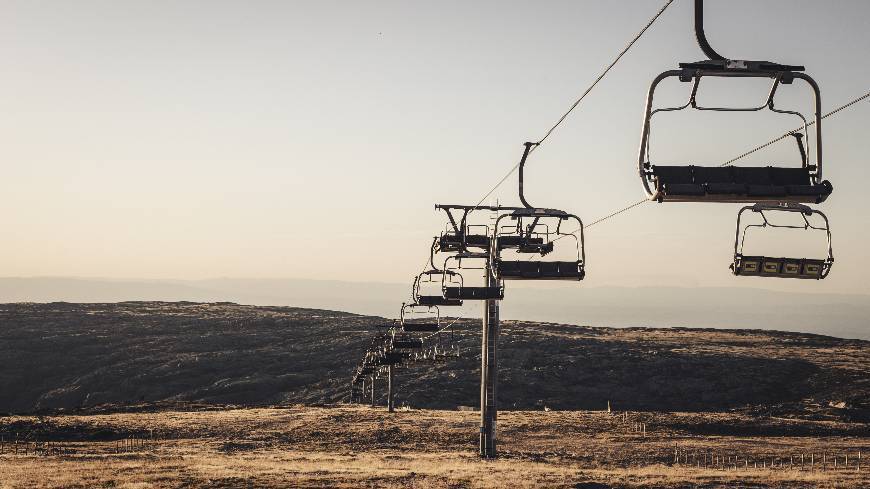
<point x="360" y="446"/>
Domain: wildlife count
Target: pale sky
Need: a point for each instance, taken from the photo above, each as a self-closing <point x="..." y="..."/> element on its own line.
<point x="198" y="139"/>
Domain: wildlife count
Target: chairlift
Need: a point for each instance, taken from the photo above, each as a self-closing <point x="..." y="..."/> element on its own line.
<point x="744" y="184"/>
<point x="430" y="281"/>
<point x="460" y="236"/>
<point x="767" y="266"/>
<point x="418" y="318"/>
<point x="453" y="284"/>
<point x="356" y="390"/>
<point x="530" y="233"/>
<point x="403" y="341"/>
<point x="523" y="233"/>
<point x="387" y="357"/>
<point x="448" y="346"/>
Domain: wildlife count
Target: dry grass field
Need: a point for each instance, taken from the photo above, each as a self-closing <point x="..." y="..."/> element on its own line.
<point x="152" y="394"/>
<point x="355" y="446"/>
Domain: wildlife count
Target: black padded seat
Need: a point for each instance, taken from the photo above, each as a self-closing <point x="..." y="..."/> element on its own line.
<point x="513" y="241"/>
<point x="549" y="270"/>
<point x="420" y="327"/>
<point x="541" y="249"/>
<point x="437" y="300"/>
<point x="765" y="266"/>
<point x="525" y="245"/>
<point x="738" y="184"/>
<point x="474" y="293"/>
<point x="677" y="180"/>
<point x="452" y="242"/>
<point x="477" y="240"/>
<point x="719" y="180"/>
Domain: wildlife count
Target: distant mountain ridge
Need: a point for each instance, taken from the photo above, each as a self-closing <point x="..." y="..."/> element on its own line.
<point x="840" y="315"/>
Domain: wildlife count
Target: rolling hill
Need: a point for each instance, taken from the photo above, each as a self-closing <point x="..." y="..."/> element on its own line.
<point x="69" y="356"/>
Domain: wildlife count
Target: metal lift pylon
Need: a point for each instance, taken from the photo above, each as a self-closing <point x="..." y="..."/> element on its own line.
<point x="489" y="374"/>
<point x="391" y="403"/>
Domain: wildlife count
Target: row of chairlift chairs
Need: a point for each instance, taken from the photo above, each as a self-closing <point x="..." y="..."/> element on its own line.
<point x="522" y="241"/>
<point x="417" y="337"/>
<point x="477" y="260"/>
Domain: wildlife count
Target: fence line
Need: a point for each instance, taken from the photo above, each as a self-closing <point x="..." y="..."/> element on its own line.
<point x="17" y="445"/>
<point x="714" y="458"/>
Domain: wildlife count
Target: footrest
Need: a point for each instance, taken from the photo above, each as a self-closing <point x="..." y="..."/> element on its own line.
<point x="764" y="266"/>
<point x="531" y="270"/>
<point x="474" y="293"/>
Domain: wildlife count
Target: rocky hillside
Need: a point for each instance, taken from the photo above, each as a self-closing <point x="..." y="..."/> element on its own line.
<point x="71" y="356"/>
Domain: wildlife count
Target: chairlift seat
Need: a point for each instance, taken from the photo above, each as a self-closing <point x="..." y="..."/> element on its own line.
<point x="525" y="244"/>
<point x="764" y="266"/>
<point x="513" y="241"/>
<point x="474" y="293"/>
<point x="452" y="242"/>
<point x="531" y="270"/>
<point x="389" y="358"/>
<point x="738" y="184"/>
<point x="420" y="327"/>
<point x="437" y="300"/>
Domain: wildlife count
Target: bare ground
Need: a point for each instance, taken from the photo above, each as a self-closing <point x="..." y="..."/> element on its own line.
<point x="352" y="446"/>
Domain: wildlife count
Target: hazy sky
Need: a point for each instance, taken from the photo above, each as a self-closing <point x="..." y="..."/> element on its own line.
<point x="195" y="139"/>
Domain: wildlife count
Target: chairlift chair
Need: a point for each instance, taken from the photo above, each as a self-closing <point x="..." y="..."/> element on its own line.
<point x="405" y="341"/>
<point x="532" y="239"/>
<point x="460" y="236"/>
<point x="453" y="284"/>
<point x="743" y="184"/>
<point x="530" y="234"/>
<point x="422" y="289"/>
<point x="418" y="318"/>
<point x="427" y="290"/>
<point x="447" y="345"/>
<point x="356" y="391"/>
<point x="767" y="266"/>
<point x="385" y="358"/>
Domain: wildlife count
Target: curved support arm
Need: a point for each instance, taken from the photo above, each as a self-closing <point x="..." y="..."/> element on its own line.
<point x="528" y="149"/>
<point x="432" y="253"/>
<point x="644" y="134"/>
<point x="701" y="36"/>
<point x="817" y="119"/>
<point x="415" y="289"/>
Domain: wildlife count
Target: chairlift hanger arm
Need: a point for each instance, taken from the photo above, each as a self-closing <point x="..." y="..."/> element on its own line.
<point x="528" y="149"/>
<point x="729" y="63"/>
<point x="701" y="36"/>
